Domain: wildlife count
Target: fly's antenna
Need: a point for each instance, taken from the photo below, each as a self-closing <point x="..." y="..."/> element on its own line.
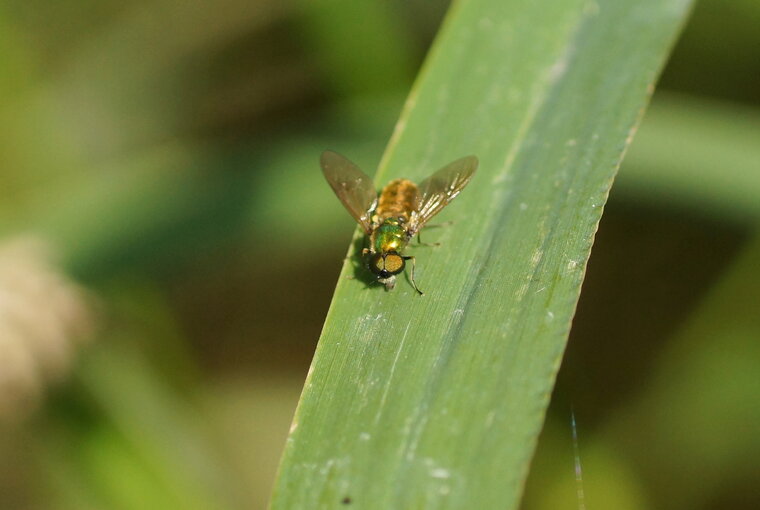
<point x="577" y="460"/>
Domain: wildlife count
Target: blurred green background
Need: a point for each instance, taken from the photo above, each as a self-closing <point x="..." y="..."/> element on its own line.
<point x="168" y="252"/>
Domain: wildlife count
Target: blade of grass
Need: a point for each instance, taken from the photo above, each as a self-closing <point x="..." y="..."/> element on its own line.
<point x="436" y="402"/>
<point x="697" y="155"/>
<point x="690" y="431"/>
<point x="379" y="57"/>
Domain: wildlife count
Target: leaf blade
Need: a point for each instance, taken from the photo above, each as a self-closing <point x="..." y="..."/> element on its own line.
<point x="436" y="402"/>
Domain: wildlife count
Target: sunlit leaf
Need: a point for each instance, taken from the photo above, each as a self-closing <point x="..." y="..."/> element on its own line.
<point x="437" y="401"/>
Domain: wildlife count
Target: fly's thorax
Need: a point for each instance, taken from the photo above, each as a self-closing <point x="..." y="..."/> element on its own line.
<point x="397" y="200"/>
<point x="390" y="236"/>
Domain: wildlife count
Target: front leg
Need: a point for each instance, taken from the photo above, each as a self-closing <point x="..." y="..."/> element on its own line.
<point x="414" y="284"/>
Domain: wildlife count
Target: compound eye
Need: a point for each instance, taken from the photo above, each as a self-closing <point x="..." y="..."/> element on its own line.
<point x="394" y="263"/>
<point x="376" y="264"/>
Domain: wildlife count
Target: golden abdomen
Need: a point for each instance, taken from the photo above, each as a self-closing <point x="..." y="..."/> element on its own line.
<point x="397" y="199"/>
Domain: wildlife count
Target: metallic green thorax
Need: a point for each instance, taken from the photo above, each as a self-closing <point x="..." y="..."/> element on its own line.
<point x="389" y="236"/>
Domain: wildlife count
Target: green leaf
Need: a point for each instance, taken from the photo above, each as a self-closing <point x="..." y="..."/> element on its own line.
<point x="697" y="155"/>
<point x="359" y="44"/>
<point x="437" y="401"/>
<point x="698" y="412"/>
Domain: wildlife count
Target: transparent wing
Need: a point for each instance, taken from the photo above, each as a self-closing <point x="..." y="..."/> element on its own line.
<point x="439" y="189"/>
<point x="353" y="187"/>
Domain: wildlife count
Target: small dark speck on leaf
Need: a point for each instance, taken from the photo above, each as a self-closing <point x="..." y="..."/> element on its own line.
<point x="346" y="500"/>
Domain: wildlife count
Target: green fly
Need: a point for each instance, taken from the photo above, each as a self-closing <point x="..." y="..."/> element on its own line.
<point x="393" y="218"/>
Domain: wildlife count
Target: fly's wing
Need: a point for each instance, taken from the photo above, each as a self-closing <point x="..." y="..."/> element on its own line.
<point x="353" y="187"/>
<point x="439" y="189"/>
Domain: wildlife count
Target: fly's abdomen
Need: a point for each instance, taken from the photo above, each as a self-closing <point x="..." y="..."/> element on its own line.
<point x="397" y="200"/>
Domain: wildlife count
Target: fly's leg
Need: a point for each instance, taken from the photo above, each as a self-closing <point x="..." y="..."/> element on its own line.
<point x="420" y="243"/>
<point x="414" y="284"/>
<point x="444" y="224"/>
<point x="439" y="225"/>
<point x="365" y="251"/>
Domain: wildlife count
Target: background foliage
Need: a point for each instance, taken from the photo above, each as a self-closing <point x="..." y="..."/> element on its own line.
<point x="165" y="153"/>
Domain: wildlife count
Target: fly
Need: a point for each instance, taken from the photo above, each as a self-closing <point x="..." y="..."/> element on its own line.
<point x="393" y="218"/>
